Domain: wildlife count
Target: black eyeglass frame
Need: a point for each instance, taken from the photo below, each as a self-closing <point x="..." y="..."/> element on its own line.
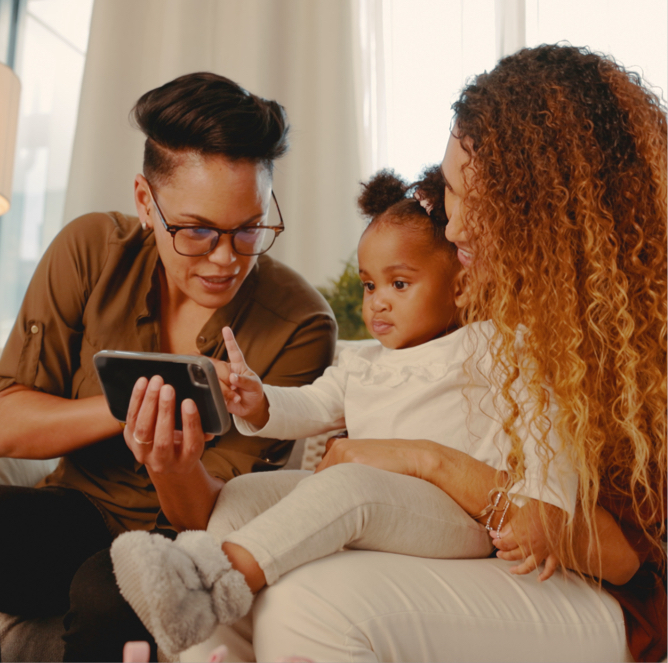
<point x="172" y="230"/>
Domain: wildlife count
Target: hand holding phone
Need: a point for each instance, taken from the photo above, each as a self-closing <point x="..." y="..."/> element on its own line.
<point x="242" y="388"/>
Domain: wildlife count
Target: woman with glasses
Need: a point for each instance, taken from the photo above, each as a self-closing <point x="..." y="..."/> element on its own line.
<point x="168" y="281"/>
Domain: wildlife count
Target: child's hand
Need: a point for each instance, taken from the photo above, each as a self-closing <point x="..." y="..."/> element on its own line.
<point x="242" y="388"/>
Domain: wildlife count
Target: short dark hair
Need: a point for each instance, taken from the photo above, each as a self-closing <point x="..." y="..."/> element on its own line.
<point x="210" y="115"/>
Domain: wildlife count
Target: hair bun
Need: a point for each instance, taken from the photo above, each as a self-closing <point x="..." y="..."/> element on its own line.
<point x="431" y="186"/>
<point x="382" y="191"/>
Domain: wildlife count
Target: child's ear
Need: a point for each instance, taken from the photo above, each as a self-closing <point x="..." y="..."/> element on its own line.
<point x="461" y="289"/>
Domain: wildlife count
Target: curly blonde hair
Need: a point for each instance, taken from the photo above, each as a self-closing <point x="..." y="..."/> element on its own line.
<point x="567" y="214"/>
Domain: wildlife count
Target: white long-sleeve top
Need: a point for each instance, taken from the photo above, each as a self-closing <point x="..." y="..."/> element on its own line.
<point x="423" y="392"/>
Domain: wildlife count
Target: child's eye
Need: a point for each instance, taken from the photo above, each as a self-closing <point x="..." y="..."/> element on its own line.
<point x="369" y="287"/>
<point x="400" y="285"/>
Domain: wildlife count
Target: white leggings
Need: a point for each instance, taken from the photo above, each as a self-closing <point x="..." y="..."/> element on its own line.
<point x="286" y="519"/>
<point x="360" y="605"/>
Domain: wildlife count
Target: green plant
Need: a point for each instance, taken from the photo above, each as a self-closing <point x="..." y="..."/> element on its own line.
<point x="345" y="296"/>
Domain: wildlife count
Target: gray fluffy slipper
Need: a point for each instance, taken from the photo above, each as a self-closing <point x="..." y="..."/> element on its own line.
<point x="182" y="589"/>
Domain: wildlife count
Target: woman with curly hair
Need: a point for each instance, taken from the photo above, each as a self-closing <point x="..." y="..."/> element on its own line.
<point x="556" y="198"/>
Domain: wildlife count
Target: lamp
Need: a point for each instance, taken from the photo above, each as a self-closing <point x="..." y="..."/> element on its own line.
<point x="10" y="89"/>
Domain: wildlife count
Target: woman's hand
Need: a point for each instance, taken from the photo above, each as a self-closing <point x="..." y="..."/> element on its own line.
<point x="610" y="558"/>
<point x="186" y="491"/>
<point x="400" y="456"/>
<point x="524" y="538"/>
<point x="149" y="430"/>
<point x="241" y="387"/>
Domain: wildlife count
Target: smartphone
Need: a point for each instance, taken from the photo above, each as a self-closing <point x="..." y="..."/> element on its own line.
<point x="191" y="376"/>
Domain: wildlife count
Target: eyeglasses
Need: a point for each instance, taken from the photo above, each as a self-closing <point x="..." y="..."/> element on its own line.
<point x="193" y="241"/>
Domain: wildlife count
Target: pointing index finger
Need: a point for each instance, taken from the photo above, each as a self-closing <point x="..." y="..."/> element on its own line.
<point x="236" y="357"/>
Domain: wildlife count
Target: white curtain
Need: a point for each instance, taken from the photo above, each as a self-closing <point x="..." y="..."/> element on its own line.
<point x="299" y="52"/>
<point x="369" y="57"/>
<point x="510" y="27"/>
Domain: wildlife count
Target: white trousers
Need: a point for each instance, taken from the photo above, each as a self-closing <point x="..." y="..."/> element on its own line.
<point x="289" y="518"/>
<point x="362" y="605"/>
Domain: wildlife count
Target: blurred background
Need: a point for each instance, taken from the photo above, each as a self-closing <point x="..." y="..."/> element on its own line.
<point x="366" y="84"/>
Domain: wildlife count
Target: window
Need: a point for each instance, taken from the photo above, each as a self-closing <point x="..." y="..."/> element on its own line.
<point x="635" y="34"/>
<point x="431" y="47"/>
<point x="51" y="42"/>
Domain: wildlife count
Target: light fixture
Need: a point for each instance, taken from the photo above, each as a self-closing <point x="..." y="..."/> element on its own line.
<point x="10" y="90"/>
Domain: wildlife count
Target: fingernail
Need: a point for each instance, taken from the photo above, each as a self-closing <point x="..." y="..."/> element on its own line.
<point x="189" y="406"/>
<point x="141" y="383"/>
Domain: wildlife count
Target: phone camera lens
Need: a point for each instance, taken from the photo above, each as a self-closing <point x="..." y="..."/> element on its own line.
<point x="198" y="375"/>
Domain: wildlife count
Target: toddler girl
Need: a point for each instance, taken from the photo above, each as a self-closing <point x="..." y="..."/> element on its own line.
<point x="414" y="384"/>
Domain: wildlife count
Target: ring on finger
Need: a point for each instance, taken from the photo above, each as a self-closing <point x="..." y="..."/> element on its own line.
<point x="138" y="441"/>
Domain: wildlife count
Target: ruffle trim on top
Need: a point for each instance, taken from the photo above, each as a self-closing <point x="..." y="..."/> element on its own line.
<point x="374" y="373"/>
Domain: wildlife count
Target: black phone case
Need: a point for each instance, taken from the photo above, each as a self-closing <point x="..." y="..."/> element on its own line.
<point x="119" y="371"/>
